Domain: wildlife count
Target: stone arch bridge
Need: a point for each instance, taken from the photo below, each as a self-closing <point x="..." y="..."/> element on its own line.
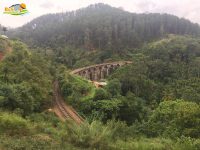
<point x="99" y="71"/>
<point x="93" y="73"/>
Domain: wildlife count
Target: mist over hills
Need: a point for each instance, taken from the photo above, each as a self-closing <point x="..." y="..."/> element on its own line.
<point x="102" y="27"/>
<point x="152" y="103"/>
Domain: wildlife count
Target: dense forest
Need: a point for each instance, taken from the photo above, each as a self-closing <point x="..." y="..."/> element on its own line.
<point x="151" y="104"/>
<point x="25" y="80"/>
<point x="102" y="27"/>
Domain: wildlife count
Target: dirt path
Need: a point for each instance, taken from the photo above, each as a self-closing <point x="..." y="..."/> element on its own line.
<point x="62" y="110"/>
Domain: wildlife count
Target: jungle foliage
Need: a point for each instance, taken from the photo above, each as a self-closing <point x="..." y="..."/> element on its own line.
<point x="153" y="103"/>
<point x="25" y="80"/>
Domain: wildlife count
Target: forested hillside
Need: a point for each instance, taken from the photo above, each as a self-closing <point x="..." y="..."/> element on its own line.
<point x="165" y="70"/>
<point x="151" y="104"/>
<point x="102" y="27"/>
<point x="25" y="80"/>
<point x="156" y="96"/>
<point x="98" y="33"/>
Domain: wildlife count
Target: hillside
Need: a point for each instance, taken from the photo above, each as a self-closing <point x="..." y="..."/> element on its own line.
<point x="102" y="27"/>
<point x="22" y="75"/>
<point x="164" y="70"/>
<point x="152" y="103"/>
<point x="98" y="33"/>
<point x="160" y="89"/>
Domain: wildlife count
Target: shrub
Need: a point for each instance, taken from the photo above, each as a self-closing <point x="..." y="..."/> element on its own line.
<point x="100" y="94"/>
<point x="13" y="124"/>
<point x="175" y="118"/>
<point x="94" y="135"/>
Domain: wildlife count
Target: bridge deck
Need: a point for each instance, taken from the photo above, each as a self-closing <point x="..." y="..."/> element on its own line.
<point x="98" y="65"/>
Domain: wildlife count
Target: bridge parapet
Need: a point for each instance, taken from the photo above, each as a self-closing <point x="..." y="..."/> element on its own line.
<point x="99" y="71"/>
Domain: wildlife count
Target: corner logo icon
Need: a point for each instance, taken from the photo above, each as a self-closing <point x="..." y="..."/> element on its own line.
<point x="17" y="9"/>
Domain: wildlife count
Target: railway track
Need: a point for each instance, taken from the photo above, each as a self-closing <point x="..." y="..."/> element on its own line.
<point x="63" y="110"/>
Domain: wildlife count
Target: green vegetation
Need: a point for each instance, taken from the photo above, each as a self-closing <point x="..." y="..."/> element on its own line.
<point x="36" y="132"/>
<point x="4" y="45"/>
<point x="25" y="81"/>
<point x="75" y="88"/>
<point x="98" y="33"/>
<point x="157" y="95"/>
<point x="13" y="124"/>
<point x="102" y="27"/>
<point x="45" y="131"/>
<point x="175" y="118"/>
<point x="151" y="104"/>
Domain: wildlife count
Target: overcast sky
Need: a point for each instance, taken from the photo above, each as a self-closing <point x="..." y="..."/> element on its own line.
<point x="189" y="9"/>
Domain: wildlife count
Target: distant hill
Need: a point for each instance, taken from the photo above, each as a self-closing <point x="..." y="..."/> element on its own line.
<point x="102" y="27"/>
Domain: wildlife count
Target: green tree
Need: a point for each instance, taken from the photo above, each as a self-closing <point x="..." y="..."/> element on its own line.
<point x="114" y="87"/>
<point x="132" y="109"/>
<point x="100" y="94"/>
<point x="175" y="118"/>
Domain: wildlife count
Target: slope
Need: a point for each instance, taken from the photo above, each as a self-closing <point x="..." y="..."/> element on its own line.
<point x="101" y="27"/>
<point x="25" y="80"/>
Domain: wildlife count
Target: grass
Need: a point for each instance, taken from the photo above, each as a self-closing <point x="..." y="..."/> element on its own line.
<point x="83" y="83"/>
<point x="47" y="132"/>
<point x="157" y="144"/>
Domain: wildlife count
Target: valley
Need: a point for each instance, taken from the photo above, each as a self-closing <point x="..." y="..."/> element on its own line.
<point x="101" y="78"/>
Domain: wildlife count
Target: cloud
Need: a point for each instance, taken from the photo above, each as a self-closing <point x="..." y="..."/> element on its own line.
<point x="146" y="5"/>
<point x="47" y="5"/>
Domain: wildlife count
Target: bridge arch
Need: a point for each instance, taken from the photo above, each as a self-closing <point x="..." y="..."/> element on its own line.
<point x="99" y="71"/>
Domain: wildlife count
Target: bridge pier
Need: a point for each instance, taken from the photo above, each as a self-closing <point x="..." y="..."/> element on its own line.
<point x="100" y="71"/>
